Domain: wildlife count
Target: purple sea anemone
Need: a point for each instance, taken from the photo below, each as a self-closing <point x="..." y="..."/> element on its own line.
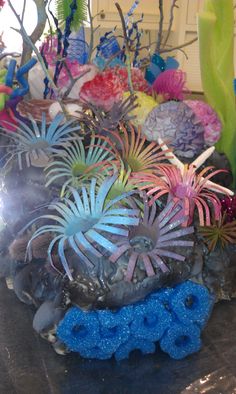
<point x="152" y="240"/>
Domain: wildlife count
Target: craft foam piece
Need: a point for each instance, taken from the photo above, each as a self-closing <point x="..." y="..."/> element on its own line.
<point x="175" y="316"/>
<point x="151" y="319"/>
<point x="192" y="303"/>
<point x="125" y="349"/>
<point x="79" y="330"/>
<point x="181" y="340"/>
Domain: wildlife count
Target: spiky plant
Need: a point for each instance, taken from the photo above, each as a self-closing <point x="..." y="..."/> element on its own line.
<point x="187" y="188"/>
<point x="86" y="223"/>
<point x="36" y="143"/>
<point x="131" y="149"/>
<point x="104" y="122"/>
<point x="63" y="11"/>
<point x="152" y="240"/>
<point x="220" y="233"/>
<point x="78" y="166"/>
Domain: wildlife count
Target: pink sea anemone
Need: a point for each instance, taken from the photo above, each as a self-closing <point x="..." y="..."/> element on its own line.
<point x="171" y="84"/>
<point x="209" y="119"/>
<point x="186" y="188"/>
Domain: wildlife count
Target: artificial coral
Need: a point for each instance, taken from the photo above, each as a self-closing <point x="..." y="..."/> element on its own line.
<point x="105" y="227"/>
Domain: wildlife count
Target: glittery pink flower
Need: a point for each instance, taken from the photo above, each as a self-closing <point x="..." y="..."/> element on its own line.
<point x="229" y="207"/>
<point x="209" y="119"/>
<point x="171" y="85"/>
<point x="103" y="91"/>
<point x="139" y="82"/>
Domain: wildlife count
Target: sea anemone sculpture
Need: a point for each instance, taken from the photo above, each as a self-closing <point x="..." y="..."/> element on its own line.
<point x="131" y="149"/>
<point x="81" y="223"/>
<point x="220" y="233"/>
<point x="39" y="144"/>
<point x="152" y="240"/>
<point x="77" y="166"/>
<point x="186" y="188"/>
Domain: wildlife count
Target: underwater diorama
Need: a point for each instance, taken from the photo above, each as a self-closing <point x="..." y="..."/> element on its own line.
<point x="117" y="205"/>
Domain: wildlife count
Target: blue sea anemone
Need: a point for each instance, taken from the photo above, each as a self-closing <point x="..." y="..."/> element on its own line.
<point x="81" y="223"/>
<point x="35" y="143"/>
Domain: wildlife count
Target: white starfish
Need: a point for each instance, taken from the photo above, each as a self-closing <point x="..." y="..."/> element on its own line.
<point x="197" y="163"/>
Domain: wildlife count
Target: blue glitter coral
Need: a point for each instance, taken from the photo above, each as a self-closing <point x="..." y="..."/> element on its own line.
<point x="174" y="317"/>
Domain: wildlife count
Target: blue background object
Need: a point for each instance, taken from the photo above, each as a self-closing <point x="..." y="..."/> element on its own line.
<point x="174" y="316"/>
<point x="159" y="65"/>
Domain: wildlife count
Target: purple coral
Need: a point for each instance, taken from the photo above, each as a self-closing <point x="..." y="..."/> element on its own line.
<point x="176" y="123"/>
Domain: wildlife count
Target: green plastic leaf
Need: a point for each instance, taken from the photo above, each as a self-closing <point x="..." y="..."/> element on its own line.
<point x="63" y="11"/>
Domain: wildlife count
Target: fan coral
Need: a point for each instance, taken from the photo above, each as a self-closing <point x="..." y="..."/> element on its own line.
<point x="209" y="119"/>
<point x="81" y="223"/>
<point x="171" y="85"/>
<point x="186" y="188"/>
<point x="176" y="123"/>
<point x="38" y="145"/>
<point x="102" y="91"/>
<point x="151" y="240"/>
<point x="77" y="166"/>
<point x="219" y="233"/>
<point x="131" y="150"/>
<point x="145" y="105"/>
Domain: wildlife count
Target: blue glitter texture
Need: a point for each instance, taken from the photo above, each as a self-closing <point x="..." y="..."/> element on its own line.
<point x="174" y="316"/>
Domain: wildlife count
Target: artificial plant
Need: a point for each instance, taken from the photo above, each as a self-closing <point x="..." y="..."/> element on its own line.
<point x="216" y="44"/>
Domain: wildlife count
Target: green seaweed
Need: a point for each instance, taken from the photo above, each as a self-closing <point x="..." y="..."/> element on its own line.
<point x="216" y="48"/>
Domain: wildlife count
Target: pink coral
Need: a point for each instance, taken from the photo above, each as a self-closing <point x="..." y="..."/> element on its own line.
<point x="8" y="120"/>
<point x="139" y="82"/>
<point x="171" y="84"/>
<point x="103" y="91"/>
<point x="209" y="119"/>
<point x="87" y="71"/>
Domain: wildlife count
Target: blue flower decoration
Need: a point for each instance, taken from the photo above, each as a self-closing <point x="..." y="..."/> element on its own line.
<point x="150" y="320"/>
<point x="180" y="340"/>
<point x="192" y="303"/>
<point x="158" y="65"/>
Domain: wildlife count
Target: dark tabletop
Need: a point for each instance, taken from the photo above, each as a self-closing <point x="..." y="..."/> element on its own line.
<point x="30" y="365"/>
